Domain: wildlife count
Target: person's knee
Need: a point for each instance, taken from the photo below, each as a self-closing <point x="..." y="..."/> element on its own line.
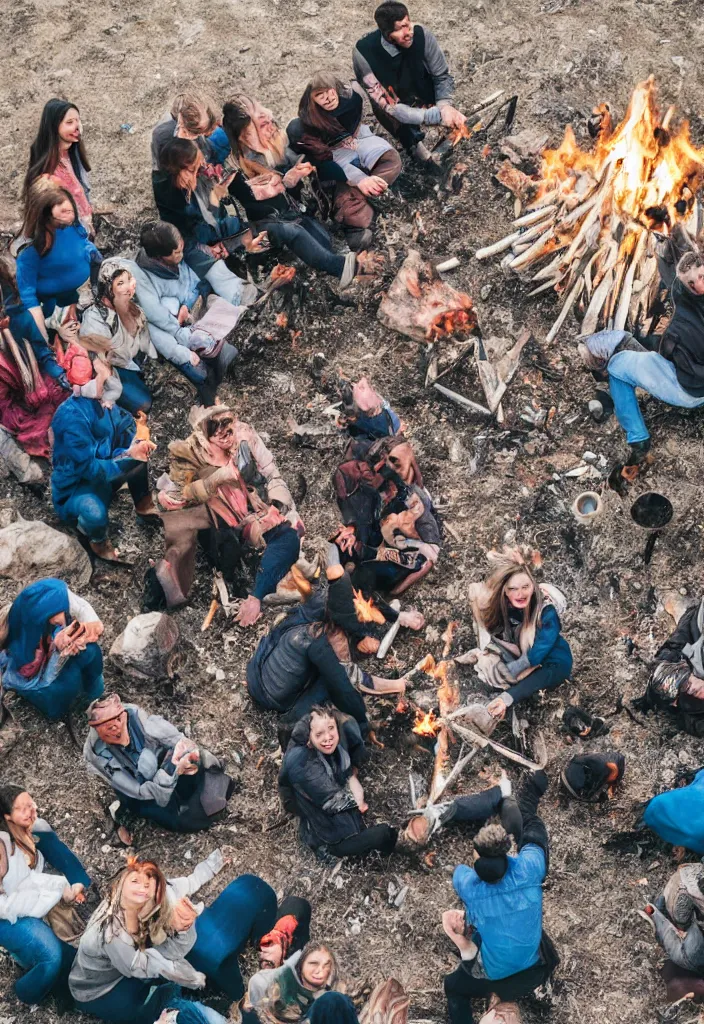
<point x="92" y="516"/>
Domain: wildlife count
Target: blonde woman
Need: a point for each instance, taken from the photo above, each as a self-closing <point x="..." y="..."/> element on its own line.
<point x="520" y="621"/>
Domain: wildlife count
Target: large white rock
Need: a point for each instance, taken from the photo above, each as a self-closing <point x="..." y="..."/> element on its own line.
<point x="31" y="550"/>
<point x="144" y="648"/>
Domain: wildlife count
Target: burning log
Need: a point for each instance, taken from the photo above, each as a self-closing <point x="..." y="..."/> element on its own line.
<point x="429" y="725"/>
<point x="385" y="644"/>
<point x="366" y="610"/>
<point x="599" y="214"/>
<point x="422" y="306"/>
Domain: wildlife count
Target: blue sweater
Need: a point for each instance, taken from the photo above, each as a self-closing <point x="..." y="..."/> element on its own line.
<point x="549" y="647"/>
<point x="88" y="444"/>
<point x="62" y="269"/>
<point x="508" y="914"/>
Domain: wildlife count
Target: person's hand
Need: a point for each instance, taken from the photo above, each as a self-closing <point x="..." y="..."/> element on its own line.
<point x="140" y="450"/>
<point x="368" y="645"/>
<point x="220" y="191"/>
<point x="71" y="640"/>
<point x="452" y="118"/>
<point x="249" y="611"/>
<point x="372" y="185"/>
<point x="454" y="927"/>
<point x="183" y="315"/>
<point x="91" y="631"/>
<point x="68" y="331"/>
<point x="299" y="171"/>
<point x="183" y="914"/>
<point x="188" y="765"/>
<point x="411" y="619"/>
<point x="258" y="244"/>
<point x="346" y="538"/>
<point x="73" y="893"/>
<point x="169" y="502"/>
<point x="497" y="709"/>
<point x="194" y="359"/>
<point x="219" y="251"/>
<point x="183" y="747"/>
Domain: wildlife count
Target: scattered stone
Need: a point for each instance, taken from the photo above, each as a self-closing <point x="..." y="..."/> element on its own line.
<point x="15" y="460"/>
<point x="31" y="550"/>
<point x="485" y="292"/>
<point x="144" y="649"/>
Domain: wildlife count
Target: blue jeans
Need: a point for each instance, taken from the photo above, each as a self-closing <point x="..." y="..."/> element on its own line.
<point x="309" y="240"/>
<point x="89" y="504"/>
<point x="82" y="676"/>
<point x="244" y="911"/>
<point x="133" y="1001"/>
<point x="283" y="546"/>
<point x="46" y="959"/>
<point x="198" y="258"/>
<point x="654" y="374"/>
<point x="135" y="396"/>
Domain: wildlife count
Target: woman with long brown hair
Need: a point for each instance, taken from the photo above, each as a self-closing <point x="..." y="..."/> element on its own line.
<point x="57" y="260"/>
<point x="58" y="153"/>
<point x="329" y="131"/>
<point x="36" y="908"/>
<point x="522" y="620"/>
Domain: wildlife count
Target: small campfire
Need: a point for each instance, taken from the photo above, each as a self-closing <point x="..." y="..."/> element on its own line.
<point x="422" y="306"/>
<point x="366" y="610"/>
<point x="597" y="214"/>
<point x="426" y="724"/>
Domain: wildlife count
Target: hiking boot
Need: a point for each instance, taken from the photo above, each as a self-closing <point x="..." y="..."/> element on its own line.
<point x="359" y="238"/>
<point x="638" y="453"/>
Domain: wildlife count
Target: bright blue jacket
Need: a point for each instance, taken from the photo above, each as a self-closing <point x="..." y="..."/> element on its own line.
<point x="88" y="443"/>
<point x="62" y="269"/>
<point x="678" y="815"/>
<point x="507" y="915"/>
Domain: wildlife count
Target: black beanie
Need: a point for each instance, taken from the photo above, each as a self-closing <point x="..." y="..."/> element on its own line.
<point x="491" y="869"/>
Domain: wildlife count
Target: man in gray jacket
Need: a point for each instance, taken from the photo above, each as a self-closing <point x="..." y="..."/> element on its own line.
<point x="156" y="771"/>
<point x="405" y="75"/>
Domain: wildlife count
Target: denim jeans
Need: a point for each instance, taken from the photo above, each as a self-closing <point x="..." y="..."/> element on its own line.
<point x="135" y="396"/>
<point x="34" y="946"/>
<point x="82" y="676"/>
<point x="89" y="504"/>
<point x="309" y="240"/>
<point x="133" y="1001"/>
<point x="243" y="912"/>
<point x="654" y="374"/>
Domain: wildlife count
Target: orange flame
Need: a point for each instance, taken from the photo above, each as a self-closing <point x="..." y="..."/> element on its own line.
<point x="452" y="321"/>
<point x="426" y="725"/>
<point x="366" y="610"/>
<point x="652" y="171"/>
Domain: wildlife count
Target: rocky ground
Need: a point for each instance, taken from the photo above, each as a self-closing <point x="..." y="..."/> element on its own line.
<point x="120" y="64"/>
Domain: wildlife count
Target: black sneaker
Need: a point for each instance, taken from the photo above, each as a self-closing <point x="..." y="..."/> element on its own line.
<point x="638" y="453"/>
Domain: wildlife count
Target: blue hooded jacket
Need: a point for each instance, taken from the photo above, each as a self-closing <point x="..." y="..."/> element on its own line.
<point x="678" y="815"/>
<point x="29" y="617"/>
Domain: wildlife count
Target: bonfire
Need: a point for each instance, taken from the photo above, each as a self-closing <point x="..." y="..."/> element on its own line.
<point x="598" y="214"/>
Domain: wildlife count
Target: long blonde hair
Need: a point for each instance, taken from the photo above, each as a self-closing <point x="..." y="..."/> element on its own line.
<point x="239" y="119"/>
<point x="495" y="605"/>
<point x="154" y="918"/>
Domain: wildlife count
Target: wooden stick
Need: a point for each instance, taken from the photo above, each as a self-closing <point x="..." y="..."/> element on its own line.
<point x="485" y="741"/>
<point x="569" y="303"/>
<point x="497" y="247"/>
<point x="486" y="102"/>
<point x="390" y="635"/>
<point x="207" y="621"/>
<point x="460" y="359"/>
<point x="542" y="213"/>
<point x="599" y="296"/>
<point x="450" y="264"/>
<point x="448" y="701"/>
<point x="467" y="403"/>
<point x="627" y="290"/>
<point x="538" y="249"/>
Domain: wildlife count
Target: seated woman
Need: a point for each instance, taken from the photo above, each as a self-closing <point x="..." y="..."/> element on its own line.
<point x="192" y="115"/>
<point x="517" y="623"/>
<point x="390" y="533"/>
<point x="329" y="130"/>
<point x="32" y="384"/>
<point x="677" y="918"/>
<point x="170" y="292"/>
<point x="190" y="194"/>
<point x="676" y="683"/>
<point x="51" y="656"/>
<point x="58" y="154"/>
<point x="298" y="663"/>
<point x="268" y="185"/>
<point x="155" y="770"/>
<point x="308" y="988"/>
<point x="96" y="450"/>
<point x="136" y="941"/>
<point x="37" y="919"/>
<point x="677" y="815"/>
<point x="224" y="490"/>
<point x="57" y="261"/>
<point x="318" y="782"/>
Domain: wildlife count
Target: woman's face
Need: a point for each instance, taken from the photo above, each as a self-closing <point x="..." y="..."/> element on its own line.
<point x="124" y="286"/>
<point x="323" y="734"/>
<point x="138" y="889"/>
<point x="519" y="590"/>
<point x="266" y="126"/>
<point x="187" y="176"/>
<point x="70" y="127"/>
<point x="24" y="812"/>
<point x="63" y="213"/>
<point x="316" y="970"/>
<point x="326" y="98"/>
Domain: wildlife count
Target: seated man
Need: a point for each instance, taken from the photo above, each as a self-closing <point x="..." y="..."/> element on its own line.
<point x="674" y="373"/>
<point x="476" y="807"/>
<point x="96" y="450"/>
<point x="676" y="682"/>
<point x="677" y="917"/>
<point x="156" y="771"/>
<point x="405" y="75"/>
<point x="224" y="490"/>
<point x="503" y="901"/>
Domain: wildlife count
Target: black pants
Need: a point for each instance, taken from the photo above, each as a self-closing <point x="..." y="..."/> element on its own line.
<point x="534" y="830"/>
<point x="461" y="988"/>
<point x="297" y="907"/>
<point x="378" y="837"/>
<point x="223" y="549"/>
<point x="481" y="806"/>
<point x="331" y="684"/>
